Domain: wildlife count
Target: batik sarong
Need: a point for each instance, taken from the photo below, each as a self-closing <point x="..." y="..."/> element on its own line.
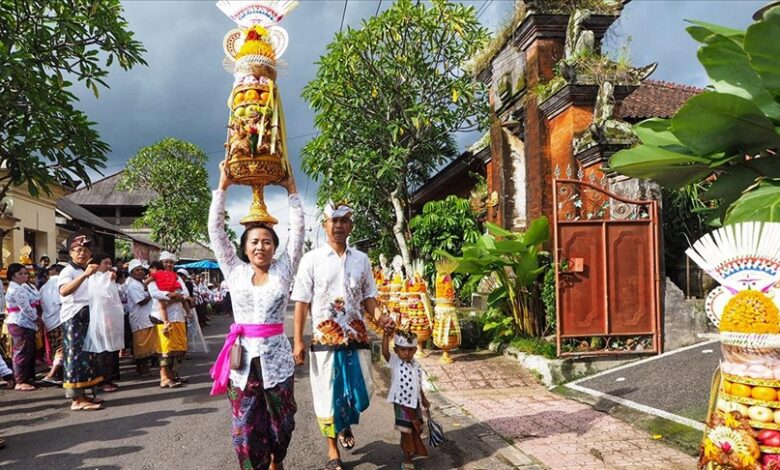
<point x="23" y="353"/>
<point x="263" y="419"/>
<point x="341" y="386"/>
<point x="80" y="366"/>
<point x="409" y="421"/>
<point x="54" y="348"/>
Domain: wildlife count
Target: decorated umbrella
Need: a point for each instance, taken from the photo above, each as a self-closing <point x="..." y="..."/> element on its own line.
<point x="256" y="149"/>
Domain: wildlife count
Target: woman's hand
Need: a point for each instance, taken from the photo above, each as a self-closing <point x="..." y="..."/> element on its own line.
<point x="289" y="183"/>
<point x="224" y="177"/>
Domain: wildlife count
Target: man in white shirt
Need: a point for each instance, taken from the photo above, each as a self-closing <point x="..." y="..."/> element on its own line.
<point x="335" y="283"/>
<point x="146" y="343"/>
<point x="51" y="303"/>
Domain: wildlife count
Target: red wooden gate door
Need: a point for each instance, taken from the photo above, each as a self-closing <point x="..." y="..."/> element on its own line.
<point x="607" y="271"/>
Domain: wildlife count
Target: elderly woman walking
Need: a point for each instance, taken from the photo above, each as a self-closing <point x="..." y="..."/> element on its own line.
<point x="173" y="337"/>
<point x="22" y="325"/>
<point x="80" y="372"/>
<point x="260" y="383"/>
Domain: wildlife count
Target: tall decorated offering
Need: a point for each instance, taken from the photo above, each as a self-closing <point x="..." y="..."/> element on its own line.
<point x="256" y="149"/>
<point x="743" y="425"/>
<point x="418" y="308"/>
<point x="446" y="328"/>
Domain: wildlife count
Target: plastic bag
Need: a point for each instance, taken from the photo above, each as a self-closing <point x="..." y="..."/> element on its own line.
<point x="106" y="330"/>
<point x="195" y="340"/>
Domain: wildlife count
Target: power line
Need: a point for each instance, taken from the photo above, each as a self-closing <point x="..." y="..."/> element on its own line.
<point x="377" y="7"/>
<point x="484" y="8"/>
<point x="343" y="14"/>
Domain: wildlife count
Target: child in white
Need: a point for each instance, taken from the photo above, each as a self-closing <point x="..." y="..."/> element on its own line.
<point x="406" y="394"/>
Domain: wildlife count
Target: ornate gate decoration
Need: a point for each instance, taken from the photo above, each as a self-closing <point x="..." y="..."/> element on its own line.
<point x="607" y="271"/>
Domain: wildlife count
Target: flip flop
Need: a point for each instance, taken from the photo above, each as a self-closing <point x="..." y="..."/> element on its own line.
<point x="2" y="443"/>
<point x="170" y="384"/>
<point x="23" y="387"/>
<point x="333" y="464"/>
<point x="109" y="387"/>
<point x="49" y="381"/>
<point x="343" y="436"/>
<point x="86" y="406"/>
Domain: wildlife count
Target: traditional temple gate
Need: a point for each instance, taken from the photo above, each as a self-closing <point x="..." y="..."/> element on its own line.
<point x="607" y="271"/>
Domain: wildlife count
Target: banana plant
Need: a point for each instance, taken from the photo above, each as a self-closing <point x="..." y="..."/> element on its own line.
<point x="511" y="260"/>
<point x="728" y="135"/>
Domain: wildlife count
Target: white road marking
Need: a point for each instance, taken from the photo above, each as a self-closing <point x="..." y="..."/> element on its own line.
<point x="640" y="407"/>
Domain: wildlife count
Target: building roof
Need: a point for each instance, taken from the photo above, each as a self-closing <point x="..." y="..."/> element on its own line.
<point x="195" y="251"/>
<point x="74" y="211"/>
<point x="655" y="98"/>
<point x="104" y="192"/>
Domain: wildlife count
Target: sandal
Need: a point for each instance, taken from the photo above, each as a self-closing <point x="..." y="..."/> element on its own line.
<point x="85" y="406"/>
<point x="109" y="387"/>
<point x="333" y="464"/>
<point x="170" y="384"/>
<point x="2" y="443"/>
<point x="344" y="436"/>
<point x="51" y="381"/>
<point x="23" y="387"/>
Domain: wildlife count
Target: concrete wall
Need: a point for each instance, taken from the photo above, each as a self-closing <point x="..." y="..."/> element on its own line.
<point x="30" y="214"/>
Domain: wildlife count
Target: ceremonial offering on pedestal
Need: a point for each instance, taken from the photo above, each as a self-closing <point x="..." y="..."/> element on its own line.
<point x="743" y="424"/>
<point x="256" y="149"/>
<point x="446" y="328"/>
<point x="418" y="309"/>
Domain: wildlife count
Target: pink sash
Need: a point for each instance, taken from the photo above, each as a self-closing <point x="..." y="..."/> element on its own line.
<point x="220" y="371"/>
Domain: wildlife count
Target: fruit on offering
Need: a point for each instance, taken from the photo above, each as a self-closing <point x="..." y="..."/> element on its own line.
<point x="763" y="393"/>
<point x="750" y="311"/>
<point x="769" y="437"/>
<point x="741" y="390"/>
<point x="760" y="413"/>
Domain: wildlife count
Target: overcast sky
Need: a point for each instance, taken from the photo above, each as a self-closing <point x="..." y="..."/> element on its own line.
<point x="182" y="93"/>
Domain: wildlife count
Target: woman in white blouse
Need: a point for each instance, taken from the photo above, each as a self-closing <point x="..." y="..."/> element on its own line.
<point x="22" y="325"/>
<point x="260" y="385"/>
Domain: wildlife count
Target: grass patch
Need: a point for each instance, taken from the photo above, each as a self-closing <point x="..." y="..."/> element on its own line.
<point x="536" y="346"/>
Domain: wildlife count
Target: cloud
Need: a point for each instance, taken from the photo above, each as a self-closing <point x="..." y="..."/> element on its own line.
<point x="183" y="91"/>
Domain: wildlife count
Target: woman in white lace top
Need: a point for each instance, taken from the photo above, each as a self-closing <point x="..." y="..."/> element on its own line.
<point x="259" y="287"/>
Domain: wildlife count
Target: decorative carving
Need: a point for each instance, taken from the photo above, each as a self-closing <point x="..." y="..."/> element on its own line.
<point x="605" y="129"/>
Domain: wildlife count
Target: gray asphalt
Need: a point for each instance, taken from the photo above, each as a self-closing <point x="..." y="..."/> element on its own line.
<point x="678" y="382"/>
<point x="145" y="427"/>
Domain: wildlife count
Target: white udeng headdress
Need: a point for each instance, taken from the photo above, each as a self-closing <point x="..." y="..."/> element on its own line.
<point x="408" y="340"/>
<point x="167" y="255"/>
<point x="340" y="209"/>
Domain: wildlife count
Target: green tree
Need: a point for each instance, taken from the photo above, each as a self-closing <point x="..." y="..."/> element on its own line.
<point x="176" y="171"/>
<point x="729" y="135"/>
<point x="388" y="97"/>
<point x="443" y="225"/>
<point x="44" y="44"/>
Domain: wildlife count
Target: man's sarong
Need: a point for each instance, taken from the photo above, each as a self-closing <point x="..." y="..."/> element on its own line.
<point x="263" y="419"/>
<point x="80" y="366"/>
<point x="145" y="343"/>
<point x="173" y="343"/>
<point x="341" y="386"/>
<point x="54" y="349"/>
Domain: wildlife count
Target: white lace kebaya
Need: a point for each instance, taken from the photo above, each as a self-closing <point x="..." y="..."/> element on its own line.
<point x="264" y="304"/>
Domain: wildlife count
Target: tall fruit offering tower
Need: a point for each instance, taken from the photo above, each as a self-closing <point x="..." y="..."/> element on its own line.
<point x="256" y="147"/>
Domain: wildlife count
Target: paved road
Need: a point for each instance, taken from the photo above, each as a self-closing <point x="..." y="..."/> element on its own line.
<point x="677" y="382"/>
<point x="145" y="427"/>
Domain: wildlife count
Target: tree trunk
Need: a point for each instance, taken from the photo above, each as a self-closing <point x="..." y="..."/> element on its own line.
<point x="398" y="230"/>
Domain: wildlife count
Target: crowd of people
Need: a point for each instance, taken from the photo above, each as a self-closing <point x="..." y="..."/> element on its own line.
<point x="91" y="312"/>
<point x="79" y="318"/>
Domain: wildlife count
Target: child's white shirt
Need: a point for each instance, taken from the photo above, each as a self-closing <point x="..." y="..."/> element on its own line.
<point x="406" y="385"/>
